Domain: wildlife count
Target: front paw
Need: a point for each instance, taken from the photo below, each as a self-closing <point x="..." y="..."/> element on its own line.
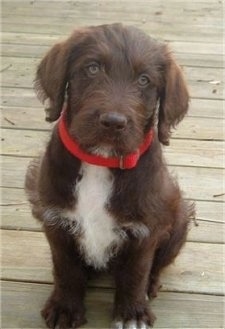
<point x="136" y="316"/>
<point x="63" y="313"/>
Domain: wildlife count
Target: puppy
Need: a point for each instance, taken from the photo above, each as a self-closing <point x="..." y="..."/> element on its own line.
<point x="101" y="189"/>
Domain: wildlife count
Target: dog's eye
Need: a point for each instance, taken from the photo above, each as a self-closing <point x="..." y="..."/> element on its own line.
<point x="93" y="68"/>
<point x="143" y="80"/>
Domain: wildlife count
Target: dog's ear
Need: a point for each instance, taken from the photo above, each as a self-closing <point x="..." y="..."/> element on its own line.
<point x="174" y="98"/>
<point x="50" y="81"/>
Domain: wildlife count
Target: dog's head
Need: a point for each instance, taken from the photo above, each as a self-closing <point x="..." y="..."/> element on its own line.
<point x="117" y="83"/>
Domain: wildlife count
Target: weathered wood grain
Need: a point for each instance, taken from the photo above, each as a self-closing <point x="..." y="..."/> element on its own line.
<point x="113" y="16"/>
<point x="33" y="116"/>
<point x="197" y="153"/>
<point x="35" y="265"/>
<point x="26" y="300"/>
<point x="16" y="215"/>
<point x="92" y="12"/>
<point x="206" y="108"/>
<point x="158" y="10"/>
<point x="207" y="231"/>
<point x="196" y="33"/>
<point x="193" y="60"/>
<point x="183" y="47"/>
<point x="198" y="183"/>
<point x="199" y="60"/>
<point x="173" y="310"/>
<point x="24" y="117"/>
<point x="20" y="97"/>
<point x="16" y="75"/>
<point x="194" y="128"/>
<point x="15" y="68"/>
<point x="16" y="211"/>
<point x="166" y="31"/>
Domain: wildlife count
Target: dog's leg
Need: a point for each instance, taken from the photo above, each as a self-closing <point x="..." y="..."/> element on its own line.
<point x="131" y="309"/>
<point x="65" y="308"/>
<point x="165" y="255"/>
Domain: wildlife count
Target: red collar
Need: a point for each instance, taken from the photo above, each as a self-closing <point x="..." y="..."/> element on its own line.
<point x="127" y="162"/>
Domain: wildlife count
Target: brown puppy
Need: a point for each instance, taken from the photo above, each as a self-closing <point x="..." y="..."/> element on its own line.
<point x="101" y="189"/>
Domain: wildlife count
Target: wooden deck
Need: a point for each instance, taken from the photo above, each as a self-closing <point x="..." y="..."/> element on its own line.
<point x="192" y="293"/>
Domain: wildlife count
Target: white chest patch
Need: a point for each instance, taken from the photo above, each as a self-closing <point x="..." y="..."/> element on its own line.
<point x="100" y="237"/>
<point x="99" y="230"/>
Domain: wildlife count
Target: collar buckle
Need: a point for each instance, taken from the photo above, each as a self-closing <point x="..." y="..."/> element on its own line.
<point x="121" y="163"/>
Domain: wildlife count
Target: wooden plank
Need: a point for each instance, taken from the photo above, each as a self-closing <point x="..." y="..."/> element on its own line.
<point x="16" y="67"/>
<point x="190" y="180"/>
<point x="33" y="265"/>
<point x="207" y="232"/>
<point x="68" y="5"/>
<point x="31" y="38"/>
<point x="205" y="108"/>
<point x="158" y="11"/>
<point x="200" y="60"/>
<point x="210" y="211"/>
<point x="20" y="97"/>
<point x="206" y="276"/>
<point x="200" y="128"/>
<point x="178" y="46"/>
<point x="90" y="18"/>
<point x="172" y="310"/>
<point x="195" y="153"/>
<point x="113" y="12"/>
<point x="24" y="142"/>
<point x="196" y="48"/>
<point x="16" y="214"/>
<point x="15" y="73"/>
<point x="208" y="75"/>
<point x="14" y="171"/>
<point x="31" y="299"/>
<point x="157" y="14"/>
<point x="194" y="128"/>
<point x="168" y="33"/>
<point x="200" y="184"/>
<point x="141" y="18"/>
<point x="201" y="262"/>
<point x="193" y="60"/>
<point x="180" y="152"/>
<point x="24" y="117"/>
<point x="206" y="90"/>
<point x="14" y="50"/>
<point x="204" y="184"/>
<point x="116" y="11"/>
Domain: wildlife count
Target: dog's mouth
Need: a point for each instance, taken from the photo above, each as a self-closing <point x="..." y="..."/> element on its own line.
<point x="109" y="134"/>
<point x="108" y="144"/>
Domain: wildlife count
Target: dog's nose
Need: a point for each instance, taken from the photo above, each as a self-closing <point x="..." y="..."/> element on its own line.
<point x="113" y="120"/>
